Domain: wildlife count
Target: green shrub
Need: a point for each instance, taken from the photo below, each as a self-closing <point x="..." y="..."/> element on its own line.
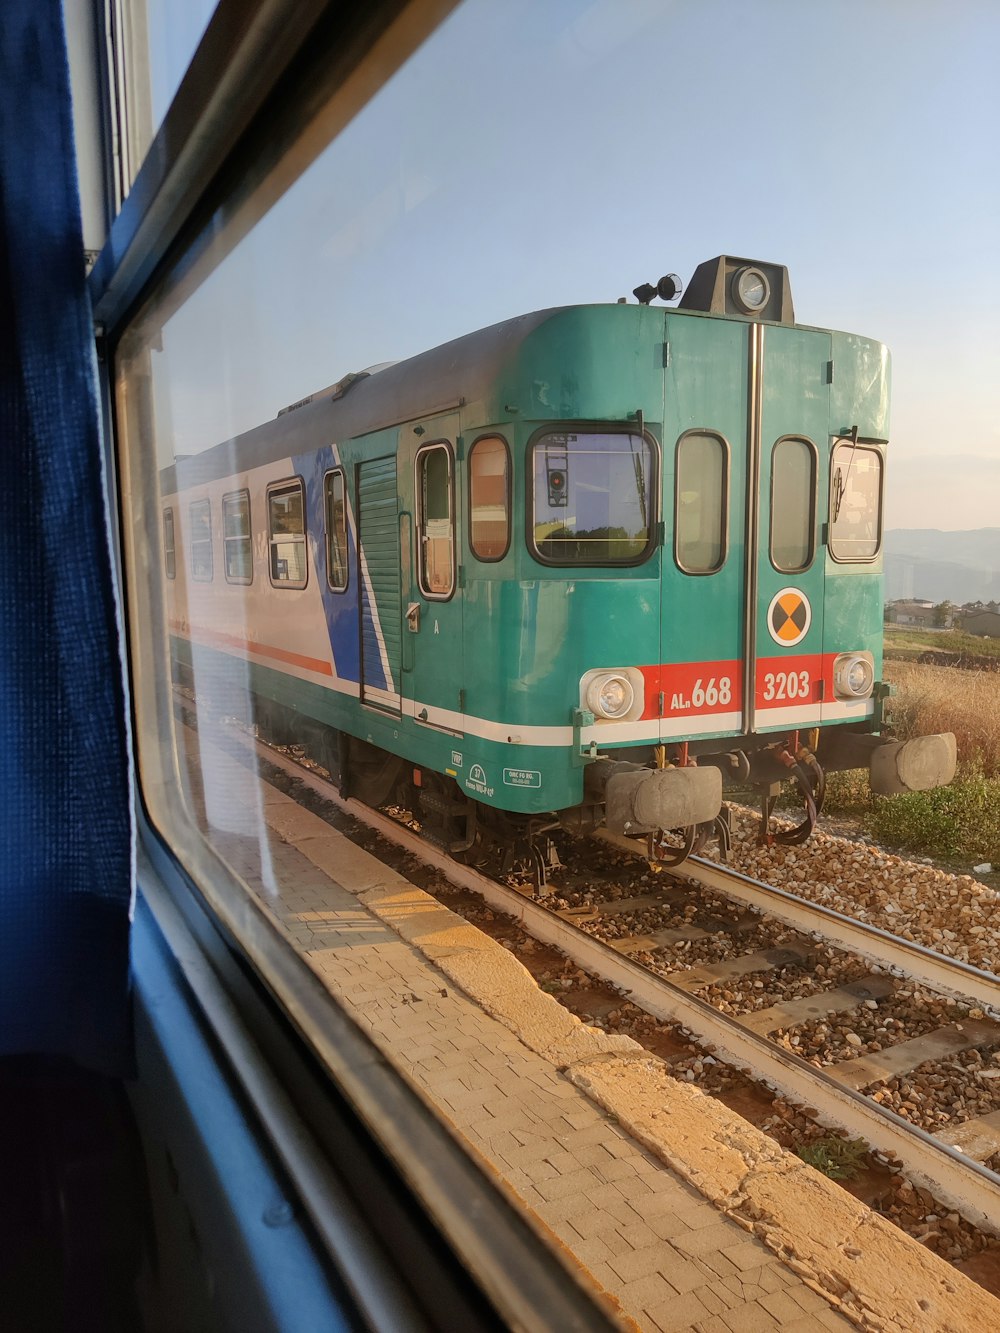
<point x="840" y="1159"/>
<point x="957" y="822"/>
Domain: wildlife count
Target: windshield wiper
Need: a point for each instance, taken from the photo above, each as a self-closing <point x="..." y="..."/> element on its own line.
<point x="840" y="481"/>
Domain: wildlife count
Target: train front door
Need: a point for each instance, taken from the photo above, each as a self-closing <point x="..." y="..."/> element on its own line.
<point x="433" y="686"/>
<point x="785" y="636"/>
<point x="703" y="604"/>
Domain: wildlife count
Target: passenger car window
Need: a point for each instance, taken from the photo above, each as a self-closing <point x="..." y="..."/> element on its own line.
<point x="236" y="537"/>
<point x="287" y="535"/>
<point x="489" y="498"/>
<point x="593" y="498"/>
<point x="169" y="544"/>
<point x="701" y="504"/>
<point x="202" y="564"/>
<point x="855" y="503"/>
<point x="336" y="530"/>
<point x="436" y="531"/>
<point x="793" y="505"/>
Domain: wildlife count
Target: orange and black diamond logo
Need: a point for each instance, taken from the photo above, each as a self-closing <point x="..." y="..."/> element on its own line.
<point x="789" y="617"/>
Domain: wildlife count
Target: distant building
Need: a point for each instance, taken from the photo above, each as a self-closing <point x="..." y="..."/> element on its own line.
<point x="984" y="623"/>
<point x="909" y="613"/>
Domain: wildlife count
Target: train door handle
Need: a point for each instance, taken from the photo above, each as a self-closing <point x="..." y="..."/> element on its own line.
<point x="413" y="617"/>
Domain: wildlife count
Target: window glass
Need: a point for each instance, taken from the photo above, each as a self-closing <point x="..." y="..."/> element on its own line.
<point x="287" y="535"/>
<point x="701" y="508"/>
<point x="336" y="532"/>
<point x="489" y="492"/>
<point x="236" y="537"/>
<point x="793" y="505"/>
<point x="592" y="497"/>
<point x="437" y="575"/>
<point x="202" y="566"/>
<point x="855" y="503"/>
<point x="169" y="544"/>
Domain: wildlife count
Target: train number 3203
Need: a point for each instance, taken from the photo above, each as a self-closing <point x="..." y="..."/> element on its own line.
<point x="786" y="685"/>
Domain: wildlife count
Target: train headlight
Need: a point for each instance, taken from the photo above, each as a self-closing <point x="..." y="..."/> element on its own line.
<point x="751" y="290"/>
<point x="853" y="675"/>
<point x="610" y="695"/>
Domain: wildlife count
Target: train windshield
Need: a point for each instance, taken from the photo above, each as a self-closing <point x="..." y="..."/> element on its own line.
<point x="592" y="500"/>
<point x="856" y="503"/>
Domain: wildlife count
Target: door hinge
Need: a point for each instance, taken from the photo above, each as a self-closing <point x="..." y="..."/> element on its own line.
<point x="821" y="689"/>
<point x="460" y="576"/>
<point x="829" y="372"/>
<point x="824" y="534"/>
<point x="661" y="533"/>
<point x="660" y="704"/>
<point x="461" y="701"/>
<point x="459" y="447"/>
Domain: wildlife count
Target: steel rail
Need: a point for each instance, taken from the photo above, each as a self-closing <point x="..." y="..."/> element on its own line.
<point x="917" y="961"/>
<point x="963" y="1184"/>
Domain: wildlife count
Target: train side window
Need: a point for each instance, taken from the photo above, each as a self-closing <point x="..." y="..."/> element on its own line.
<point x="435" y="523"/>
<point x="169" y="544"/>
<point x="701" y="502"/>
<point x="286" y="534"/>
<point x="793" y="505"/>
<point x="236" y="537"/>
<point x="855" y="503"/>
<point x="489" y="498"/>
<point x="335" y="509"/>
<point x="202" y="562"/>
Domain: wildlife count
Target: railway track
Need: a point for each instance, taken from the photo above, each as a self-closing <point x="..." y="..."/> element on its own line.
<point x="948" y="1164"/>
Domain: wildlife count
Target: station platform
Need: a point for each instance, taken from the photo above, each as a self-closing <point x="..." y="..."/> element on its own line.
<point x="564" y="1114"/>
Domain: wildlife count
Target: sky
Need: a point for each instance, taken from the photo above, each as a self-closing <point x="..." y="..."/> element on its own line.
<point x="542" y="152"/>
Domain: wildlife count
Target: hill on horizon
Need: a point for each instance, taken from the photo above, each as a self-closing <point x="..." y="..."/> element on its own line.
<point x="942" y="566"/>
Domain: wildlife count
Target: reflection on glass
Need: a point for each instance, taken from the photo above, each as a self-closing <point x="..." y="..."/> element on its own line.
<point x="287" y="535"/>
<point x="700" y="518"/>
<point x="236" y="536"/>
<point x="489" y="520"/>
<point x="592" y="498"/>
<point x="434" y="487"/>
<point x="856" y="503"/>
<point x="169" y="547"/>
<point x="793" y="488"/>
<point x="336" y="531"/>
<point x="202" y="565"/>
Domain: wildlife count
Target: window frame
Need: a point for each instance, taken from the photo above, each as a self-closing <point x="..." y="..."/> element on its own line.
<point x="202" y="541"/>
<point x="726" y="496"/>
<point x="237" y="495"/>
<point x="288" y="484"/>
<point x="508" y="496"/>
<point x="813" y="506"/>
<point x="169" y="548"/>
<point x="592" y="428"/>
<point x="341" y="472"/>
<point x="872" y="447"/>
<point x="418" y="524"/>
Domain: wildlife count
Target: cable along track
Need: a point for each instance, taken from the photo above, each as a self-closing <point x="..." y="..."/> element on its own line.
<point x="954" y="1177"/>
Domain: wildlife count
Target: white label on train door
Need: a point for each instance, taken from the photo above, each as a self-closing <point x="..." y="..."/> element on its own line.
<point x="522" y="777"/>
<point x="476" y="781"/>
<point x="456" y="759"/>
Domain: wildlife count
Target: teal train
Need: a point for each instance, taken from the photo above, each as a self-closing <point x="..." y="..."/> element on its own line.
<point x="585" y="569"/>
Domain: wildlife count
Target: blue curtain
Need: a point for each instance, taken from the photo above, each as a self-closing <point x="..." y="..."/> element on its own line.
<point x="65" y="823"/>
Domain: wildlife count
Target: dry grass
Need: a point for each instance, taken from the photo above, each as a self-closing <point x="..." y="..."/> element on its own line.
<point x="932" y="699"/>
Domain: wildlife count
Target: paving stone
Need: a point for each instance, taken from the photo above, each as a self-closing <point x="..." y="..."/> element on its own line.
<point x="678" y="1313"/>
<point x="751" y="1318"/>
<point x="748" y="1254"/>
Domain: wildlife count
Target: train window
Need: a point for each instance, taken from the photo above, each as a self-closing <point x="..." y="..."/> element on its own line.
<point x="701" y="507"/>
<point x="855" y="503"/>
<point x="793" y="505"/>
<point x="236" y="537"/>
<point x="169" y="544"/>
<point x="202" y="564"/>
<point x="489" y="498"/>
<point x="336" y="530"/>
<point x="436" y="524"/>
<point x="286" y="534"/>
<point x="593" y="498"/>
